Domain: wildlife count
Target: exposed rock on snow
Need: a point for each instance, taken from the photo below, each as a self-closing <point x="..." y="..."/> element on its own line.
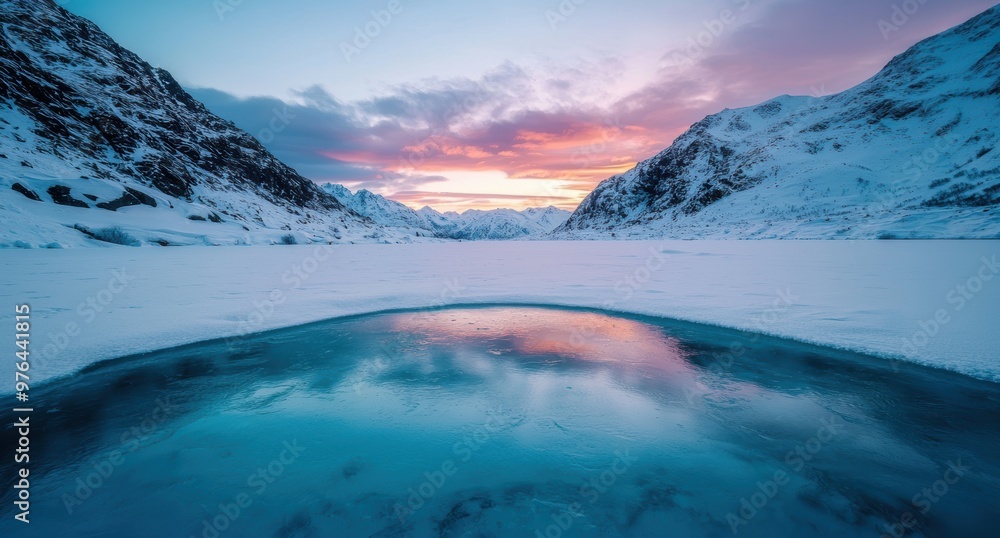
<point x="91" y="135"/>
<point x="909" y="153"/>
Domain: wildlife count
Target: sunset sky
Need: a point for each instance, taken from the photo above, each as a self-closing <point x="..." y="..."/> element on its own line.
<point x="461" y="105"/>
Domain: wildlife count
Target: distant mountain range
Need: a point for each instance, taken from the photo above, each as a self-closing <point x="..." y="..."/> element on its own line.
<point x="911" y="153"/>
<point x="474" y="225"/>
<point x="98" y="147"/>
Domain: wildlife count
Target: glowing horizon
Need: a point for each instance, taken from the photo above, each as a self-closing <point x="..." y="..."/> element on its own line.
<point x="462" y="106"/>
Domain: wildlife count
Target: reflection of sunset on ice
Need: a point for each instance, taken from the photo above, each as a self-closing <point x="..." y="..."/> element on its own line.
<point x="577" y="335"/>
<point x="385" y="423"/>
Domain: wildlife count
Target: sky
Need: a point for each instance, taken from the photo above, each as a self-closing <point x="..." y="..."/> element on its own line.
<point x="477" y="105"/>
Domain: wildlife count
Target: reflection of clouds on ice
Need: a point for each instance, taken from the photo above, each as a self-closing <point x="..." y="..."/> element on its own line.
<point x="565" y="334"/>
<point x="867" y="296"/>
<point x="595" y="437"/>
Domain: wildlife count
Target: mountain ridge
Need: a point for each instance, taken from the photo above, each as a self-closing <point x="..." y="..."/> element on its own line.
<point x="474" y="225"/>
<point x="93" y="137"/>
<point x="866" y="152"/>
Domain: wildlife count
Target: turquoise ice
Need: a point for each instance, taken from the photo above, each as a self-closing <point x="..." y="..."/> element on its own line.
<point x="512" y="421"/>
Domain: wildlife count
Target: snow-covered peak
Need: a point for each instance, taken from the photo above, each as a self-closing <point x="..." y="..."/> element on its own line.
<point x="472" y="224"/>
<point x="548" y="218"/>
<point x="908" y="153"/>
<point x="93" y="140"/>
<point x="340" y="192"/>
<point x="378" y="208"/>
<point x="497" y="224"/>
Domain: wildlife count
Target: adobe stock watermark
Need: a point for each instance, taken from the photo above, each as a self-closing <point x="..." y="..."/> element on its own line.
<point x="130" y="441"/>
<point x="257" y="484"/>
<point x="959" y="297"/>
<point x="436" y="141"/>
<point x="463" y="451"/>
<point x="698" y="44"/>
<point x="562" y="12"/>
<point x="280" y="120"/>
<point x="293" y="279"/>
<point x="223" y="7"/>
<point x="926" y="499"/>
<point x="901" y="14"/>
<point x="366" y="33"/>
<point x="815" y="97"/>
<point x="920" y="164"/>
<point x="795" y="460"/>
<point x="915" y="169"/>
<point x="451" y="291"/>
<point x="87" y="311"/>
<point x="590" y="492"/>
<point x="626" y="287"/>
<point x="584" y="157"/>
<point x="724" y="360"/>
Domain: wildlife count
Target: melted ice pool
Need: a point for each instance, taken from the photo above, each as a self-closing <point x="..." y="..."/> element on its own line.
<point x="510" y="421"/>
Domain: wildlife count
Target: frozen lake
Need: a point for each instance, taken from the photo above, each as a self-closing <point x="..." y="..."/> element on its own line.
<point x="883" y="298"/>
<point x="512" y="421"/>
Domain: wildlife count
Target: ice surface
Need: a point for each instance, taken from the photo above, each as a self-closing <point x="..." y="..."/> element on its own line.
<point x="497" y="421"/>
<point x="877" y="297"/>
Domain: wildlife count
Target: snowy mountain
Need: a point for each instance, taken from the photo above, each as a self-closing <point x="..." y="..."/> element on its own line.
<point x="497" y="224"/>
<point x="909" y="153"/>
<point x="474" y="224"/>
<point x="378" y="208"/>
<point x="97" y="144"/>
<point x="548" y="218"/>
<point x="448" y="220"/>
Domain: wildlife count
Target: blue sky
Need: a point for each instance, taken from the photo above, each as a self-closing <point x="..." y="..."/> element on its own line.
<point x="266" y="47"/>
<point x="517" y="103"/>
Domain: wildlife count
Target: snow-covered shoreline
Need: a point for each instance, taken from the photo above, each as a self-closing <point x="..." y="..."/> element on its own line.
<point x="910" y="300"/>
